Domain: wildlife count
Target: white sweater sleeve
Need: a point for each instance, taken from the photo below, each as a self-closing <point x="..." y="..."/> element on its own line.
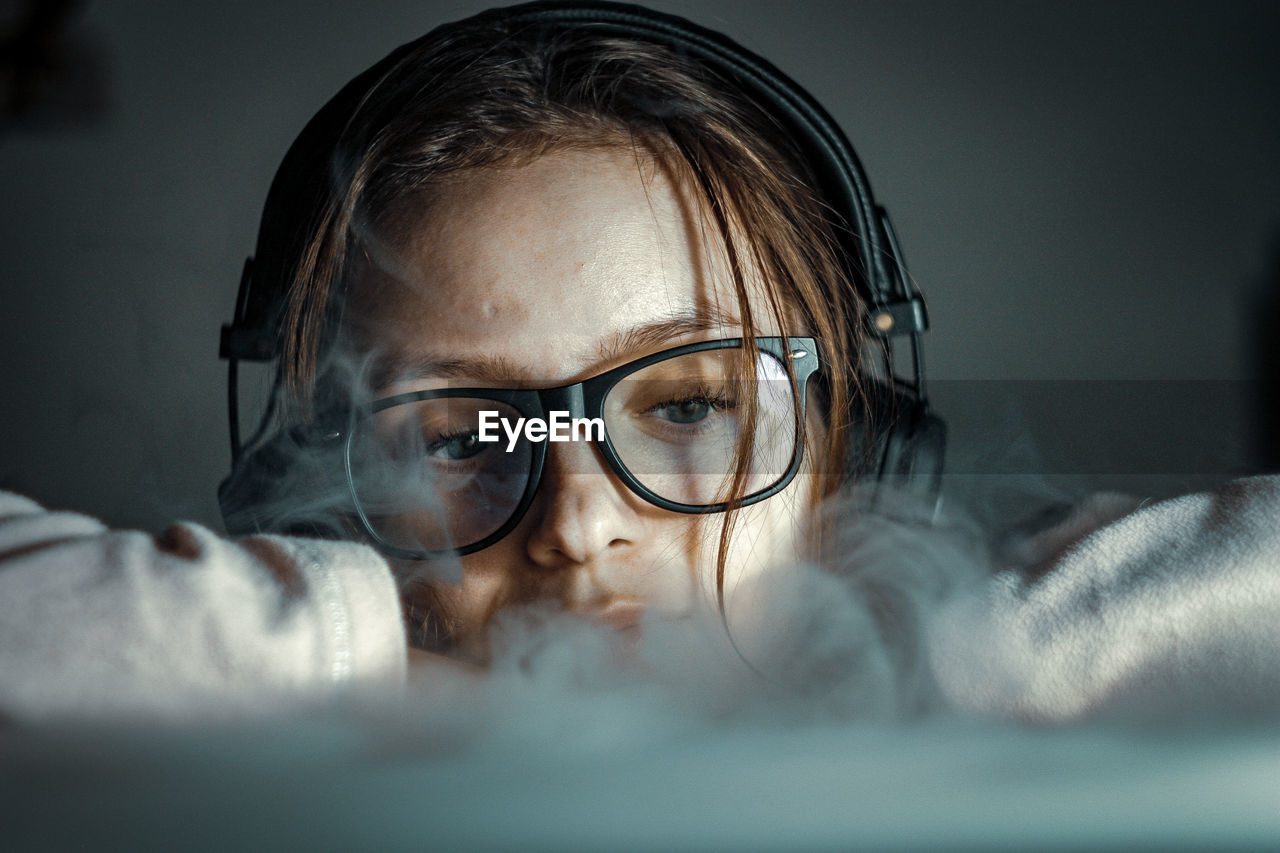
<point x="1174" y="609"/>
<point x="102" y="622"/>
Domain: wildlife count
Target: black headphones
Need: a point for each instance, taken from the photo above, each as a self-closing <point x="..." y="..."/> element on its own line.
<point x="907" y="442"/>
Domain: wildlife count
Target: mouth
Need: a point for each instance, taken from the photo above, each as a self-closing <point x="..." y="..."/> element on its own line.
<point x="623" y="615"/>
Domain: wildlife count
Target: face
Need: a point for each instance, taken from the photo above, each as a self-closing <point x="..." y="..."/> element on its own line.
<point x="548" y="273"/>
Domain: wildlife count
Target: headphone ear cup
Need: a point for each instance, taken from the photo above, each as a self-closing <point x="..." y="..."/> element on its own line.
<point x="914" y="450"/>
<point x="292" y="484"/>
<point x="897" y="441"/>
<point x="251" y="488"/>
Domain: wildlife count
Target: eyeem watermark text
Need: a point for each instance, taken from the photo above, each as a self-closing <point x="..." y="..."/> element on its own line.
<point x="560" y="427"/>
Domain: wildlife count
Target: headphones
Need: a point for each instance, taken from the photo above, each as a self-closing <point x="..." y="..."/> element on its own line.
<point x="906" y="444"/>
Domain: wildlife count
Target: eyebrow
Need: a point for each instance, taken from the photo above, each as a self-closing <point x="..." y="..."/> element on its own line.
<point x="499" y="370"/>
<point x="656" y="334"/>
<point x="493" y="369"/>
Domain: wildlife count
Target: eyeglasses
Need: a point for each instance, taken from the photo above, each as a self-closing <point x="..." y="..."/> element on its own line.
<point x="454" y="470"/>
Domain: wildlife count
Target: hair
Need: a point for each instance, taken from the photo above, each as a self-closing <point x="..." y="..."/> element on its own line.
<point x="482" y="95"/>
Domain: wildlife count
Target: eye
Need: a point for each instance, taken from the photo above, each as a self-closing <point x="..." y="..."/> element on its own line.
<point x="459" y="445"/>
<point x="690" y="410"/>
<point x="685" y="411"/>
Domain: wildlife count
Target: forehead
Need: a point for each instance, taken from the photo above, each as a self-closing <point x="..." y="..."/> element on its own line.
<point x="546" y="268"/>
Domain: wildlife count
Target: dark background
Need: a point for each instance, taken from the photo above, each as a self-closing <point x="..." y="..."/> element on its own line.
<point x="1088" y="192"/>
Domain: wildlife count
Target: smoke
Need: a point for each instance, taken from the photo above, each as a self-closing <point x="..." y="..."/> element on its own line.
<point x="846" y="638"/>
<point x="316" y="476"/>
<point x="814" y="722"/>
<point x="799" y="642"/>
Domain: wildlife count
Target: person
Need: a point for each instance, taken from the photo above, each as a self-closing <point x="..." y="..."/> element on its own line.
<point x="511" y="221"/>
<point x="514" y="208"/>
<point x="519" y="204"/>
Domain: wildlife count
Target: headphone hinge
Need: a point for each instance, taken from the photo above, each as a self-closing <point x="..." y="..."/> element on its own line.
<point x="901" y="317"/>
<point x="239" y="340"/>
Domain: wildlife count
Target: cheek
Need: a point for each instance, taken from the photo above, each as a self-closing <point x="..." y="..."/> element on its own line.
<point x="455" y="614"/>
<point x="488" y="583"/>
<point x="772" y="534"/>
<point x="765" y="537"/>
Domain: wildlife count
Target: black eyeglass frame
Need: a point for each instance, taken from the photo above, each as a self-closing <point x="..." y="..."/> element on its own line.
<point x="586" y="399"/>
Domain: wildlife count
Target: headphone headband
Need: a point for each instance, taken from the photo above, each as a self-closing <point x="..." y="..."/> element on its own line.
<point x="894" y="306"/>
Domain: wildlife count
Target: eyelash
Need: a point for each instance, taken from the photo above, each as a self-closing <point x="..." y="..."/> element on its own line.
<point x="443" y="440"/>
<point x="703" y="396"/>
<point x="710" y="398"/>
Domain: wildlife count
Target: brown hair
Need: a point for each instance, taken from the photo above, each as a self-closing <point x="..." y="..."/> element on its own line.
<point x="482" y="96"/>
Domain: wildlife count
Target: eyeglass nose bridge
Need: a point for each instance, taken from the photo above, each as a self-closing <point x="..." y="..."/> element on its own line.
<point x="582" y="400"/>
<point x="566" y="398"/>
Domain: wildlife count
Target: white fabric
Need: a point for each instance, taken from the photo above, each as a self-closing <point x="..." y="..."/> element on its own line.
<point x="1173" y="609"/>
<point x="100" y="622"/>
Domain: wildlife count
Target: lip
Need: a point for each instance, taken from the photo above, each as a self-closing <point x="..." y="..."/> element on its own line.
<point x="621" y="614"/>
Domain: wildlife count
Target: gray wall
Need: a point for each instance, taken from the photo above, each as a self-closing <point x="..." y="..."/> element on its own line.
<point x="1087" y="191"/>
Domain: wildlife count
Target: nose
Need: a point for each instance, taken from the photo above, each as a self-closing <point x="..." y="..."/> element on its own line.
<point x="583" y="513"/>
